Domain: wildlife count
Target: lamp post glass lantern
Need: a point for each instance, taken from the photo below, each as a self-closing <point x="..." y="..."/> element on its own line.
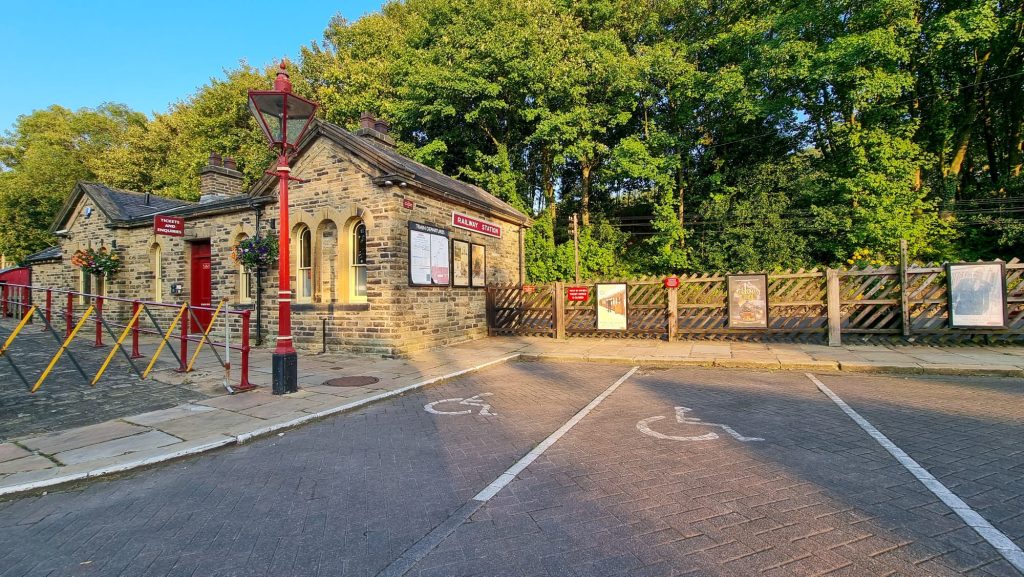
<point x="284" y="118"/>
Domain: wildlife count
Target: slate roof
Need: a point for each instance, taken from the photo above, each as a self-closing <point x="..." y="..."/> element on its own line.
<point x="51" y="253"/>
<point x="119" y="206"/>
<point x="398" y="168"/>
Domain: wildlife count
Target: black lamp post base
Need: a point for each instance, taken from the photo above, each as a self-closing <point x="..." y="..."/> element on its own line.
<point x="285" y="368"/>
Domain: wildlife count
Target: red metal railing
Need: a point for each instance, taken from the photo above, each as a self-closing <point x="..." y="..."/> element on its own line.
<point x="17" y="298"/>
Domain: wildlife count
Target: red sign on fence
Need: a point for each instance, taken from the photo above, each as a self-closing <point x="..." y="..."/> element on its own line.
<point x="476" y="225"/>
<point x="579" y="293"/>
<point x="529" y="288"/>
<point x="168" y="225"/>
<point x="671" y="282"/>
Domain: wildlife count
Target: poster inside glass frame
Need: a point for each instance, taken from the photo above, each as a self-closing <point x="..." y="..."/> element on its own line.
<point x="429" y="263"/>
<point x="478" y="266"/>
<point x="748" y="301"/>
<point x="460" y="263"/>
<point x="611" y="307"/>
<point x="977" y="295"/>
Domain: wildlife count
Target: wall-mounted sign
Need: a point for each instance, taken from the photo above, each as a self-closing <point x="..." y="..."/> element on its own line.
<point x="406" y="203"/>
<point x="460" y="263"/>
<point x="529" y="288"/>
<point x="476" y="225"/>
<point x="478" y="266"/>
<point x="977" y="295"/>
<point x="748" y="301"/>
<point x="671" y="282"/>
<point x="168" y="225"/>
<point x="428" y="255"/>
<point x="578" y="293"/>
<point x="611" y="307"/>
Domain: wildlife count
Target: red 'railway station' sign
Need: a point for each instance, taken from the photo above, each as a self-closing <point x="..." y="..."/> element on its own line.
<point x="578" y="293"/>
<point x="671" y="282"/>
<point x="476" y="225"/>
<point x="529" y="288"/>
<point x="168" y="225"/>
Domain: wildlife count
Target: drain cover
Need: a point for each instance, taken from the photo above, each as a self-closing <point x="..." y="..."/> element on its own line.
<point x="351" y="382"/>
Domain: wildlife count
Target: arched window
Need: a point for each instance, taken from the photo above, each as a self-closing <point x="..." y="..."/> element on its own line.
<point x="158" y="273"/>
<point x="358" y="272"/>
<point x="305" y="265"/>
<point x="245" y="278"/>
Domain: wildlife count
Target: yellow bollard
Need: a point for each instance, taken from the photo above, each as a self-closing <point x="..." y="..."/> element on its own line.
<point x="160" y="348"/>
<point x="63" y="347"/>
<point x="117" y="346"/>
<point x="17" y="330"/>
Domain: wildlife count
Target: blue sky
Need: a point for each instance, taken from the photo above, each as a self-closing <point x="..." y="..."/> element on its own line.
<point x="145" y="54"/>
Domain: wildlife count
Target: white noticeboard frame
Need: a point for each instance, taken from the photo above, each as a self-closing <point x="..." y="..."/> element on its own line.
<point x="429" y="256"/>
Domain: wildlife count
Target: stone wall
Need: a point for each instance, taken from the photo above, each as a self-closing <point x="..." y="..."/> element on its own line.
<point x="393" y="318"/>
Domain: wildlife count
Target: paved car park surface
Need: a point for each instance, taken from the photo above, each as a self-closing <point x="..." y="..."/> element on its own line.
<point x="674" y="472"/>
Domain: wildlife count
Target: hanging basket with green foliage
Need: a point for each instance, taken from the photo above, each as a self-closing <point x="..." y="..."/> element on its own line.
<point x="97" y="261"/>
<point x="255" y="252"/>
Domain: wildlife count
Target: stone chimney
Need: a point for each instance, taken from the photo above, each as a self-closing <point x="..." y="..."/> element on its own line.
<point x="375" y="130"/>
<point x="219" y="179"/>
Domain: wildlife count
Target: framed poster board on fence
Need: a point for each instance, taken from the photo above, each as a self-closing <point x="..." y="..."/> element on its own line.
<point x="977" y="295"/>
<point x="748" y="301"/>
<point x="611" y="306"/>
<point x="478" y="266"/>
<point x="460" y="263"/>
<point x="429" y="264"/>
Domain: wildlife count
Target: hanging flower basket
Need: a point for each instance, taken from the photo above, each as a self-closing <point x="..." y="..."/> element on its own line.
<point x="255" y="253"/>
<point x="97" y="261"/>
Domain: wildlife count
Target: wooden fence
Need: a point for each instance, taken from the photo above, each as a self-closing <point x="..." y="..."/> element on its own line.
<point x="866" y="304"/>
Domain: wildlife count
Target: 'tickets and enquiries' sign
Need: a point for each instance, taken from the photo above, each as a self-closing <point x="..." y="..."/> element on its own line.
<point x="168" y="225"/>
<point x="476" y="225"/>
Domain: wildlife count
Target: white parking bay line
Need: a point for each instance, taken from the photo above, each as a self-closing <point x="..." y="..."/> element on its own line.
<point x="507" y="477"/>
<point x="414" y="554"/>
<point x="1006" y="547"/>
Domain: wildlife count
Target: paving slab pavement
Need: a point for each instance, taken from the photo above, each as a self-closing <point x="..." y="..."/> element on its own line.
<point x="204" y="422"/>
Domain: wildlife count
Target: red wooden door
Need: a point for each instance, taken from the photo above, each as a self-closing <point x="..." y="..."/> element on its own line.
<point x="202" y="293"/>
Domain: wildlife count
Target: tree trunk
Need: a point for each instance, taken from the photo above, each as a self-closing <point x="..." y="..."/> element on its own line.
<point x="963" y="140"/>
<point x="990" y="144"/>
<point x="546" y="182"/>
<point x="585" y="196"/>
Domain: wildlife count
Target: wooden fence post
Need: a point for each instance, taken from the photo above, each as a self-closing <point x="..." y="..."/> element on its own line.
<point x="558" y="299"/>
<point x="835" y="318"/>
<point x="904" y="289"/>
<point x="673" y="313"/>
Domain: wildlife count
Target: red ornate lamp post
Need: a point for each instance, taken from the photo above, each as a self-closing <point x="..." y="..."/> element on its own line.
<point x="284" y="118"/>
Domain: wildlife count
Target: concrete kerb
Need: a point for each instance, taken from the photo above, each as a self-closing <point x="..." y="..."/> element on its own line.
<point x="240" y="438"/>
<point x="779" y="365"/>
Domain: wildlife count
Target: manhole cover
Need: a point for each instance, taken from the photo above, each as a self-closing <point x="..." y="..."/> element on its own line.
<point x="351" y="382"/>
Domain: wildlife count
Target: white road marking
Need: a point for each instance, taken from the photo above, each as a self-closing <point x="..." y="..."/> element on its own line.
<point x="474" y="401"/>
<point x="510" y="474"/>
<point x="1006" y="547"/>
<point x="644" y="427"/>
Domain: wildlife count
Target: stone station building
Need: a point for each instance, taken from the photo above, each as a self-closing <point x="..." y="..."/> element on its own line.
<point x="388" y="256"/>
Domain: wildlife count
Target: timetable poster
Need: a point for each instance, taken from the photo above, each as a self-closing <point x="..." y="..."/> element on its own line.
<point x="429" y="263"/>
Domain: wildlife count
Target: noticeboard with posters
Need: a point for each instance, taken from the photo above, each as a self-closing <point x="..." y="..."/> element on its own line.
<point x="429" y="263"/>
<point x="611" y="306"/>
<point x="748" y="301"/>
<point x="478" y="266"/>
<point x="977" y="295"/>
<point x="460" y="263"/>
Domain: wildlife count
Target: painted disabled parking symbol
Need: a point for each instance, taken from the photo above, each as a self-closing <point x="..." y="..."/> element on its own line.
<point x="474" y="401"/>
<point x="644" y="427"/>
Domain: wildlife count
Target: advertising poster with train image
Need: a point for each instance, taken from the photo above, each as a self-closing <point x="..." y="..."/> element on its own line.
<point x="748" y="301"/>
